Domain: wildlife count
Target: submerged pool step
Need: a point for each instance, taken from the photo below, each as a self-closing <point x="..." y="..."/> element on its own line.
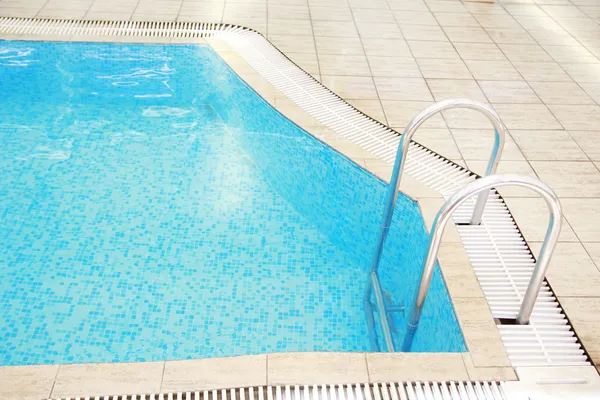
<point x="377" y="391"/>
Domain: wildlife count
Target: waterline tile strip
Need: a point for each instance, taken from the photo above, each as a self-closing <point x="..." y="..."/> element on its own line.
<point x="500" y="257"/>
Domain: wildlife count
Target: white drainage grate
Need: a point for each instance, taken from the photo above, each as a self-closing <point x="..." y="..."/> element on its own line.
<point x="384" y="391"/>
<point x="501" y="258"/>
<point x="34" y="26"/>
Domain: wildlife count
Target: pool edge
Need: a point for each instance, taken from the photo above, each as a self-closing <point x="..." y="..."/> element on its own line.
<point x="169" y="40"/>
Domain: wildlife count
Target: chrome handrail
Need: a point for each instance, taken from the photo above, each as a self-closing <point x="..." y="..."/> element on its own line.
<point x="437" y="231"/>
<point x="392" y="194"/>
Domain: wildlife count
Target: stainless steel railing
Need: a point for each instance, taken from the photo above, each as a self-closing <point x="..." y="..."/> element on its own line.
<point x="483" y="185"/>
<point x="373" y="285"/>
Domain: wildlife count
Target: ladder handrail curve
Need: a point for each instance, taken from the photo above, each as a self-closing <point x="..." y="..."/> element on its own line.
<point x="483" y="185"/>
<point x="392" y="194"/>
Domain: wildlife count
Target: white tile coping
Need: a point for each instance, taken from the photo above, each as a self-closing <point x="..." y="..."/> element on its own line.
<point x="486" y="359"/>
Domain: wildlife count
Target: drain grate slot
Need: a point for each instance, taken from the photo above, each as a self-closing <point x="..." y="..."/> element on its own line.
<point x="402" y="390"/>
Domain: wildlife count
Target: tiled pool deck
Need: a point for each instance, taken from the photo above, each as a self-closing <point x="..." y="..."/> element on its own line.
<point x="535" y="62"/>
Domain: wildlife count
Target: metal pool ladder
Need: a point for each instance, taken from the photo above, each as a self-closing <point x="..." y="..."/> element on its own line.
<point x="373" y="286"/>
<point x="483" y="185"/>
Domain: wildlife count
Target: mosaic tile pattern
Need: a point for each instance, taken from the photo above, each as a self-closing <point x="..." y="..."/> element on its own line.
<point x="154" y="207"/>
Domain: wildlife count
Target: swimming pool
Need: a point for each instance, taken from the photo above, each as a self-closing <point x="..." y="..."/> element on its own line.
<point x="154" y="207"/>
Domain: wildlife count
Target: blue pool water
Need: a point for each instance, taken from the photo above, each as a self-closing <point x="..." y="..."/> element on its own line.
<point x="154" y="207"/>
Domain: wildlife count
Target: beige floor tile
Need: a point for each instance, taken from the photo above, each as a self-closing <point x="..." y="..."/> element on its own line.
<point x="456" y="19"/>
<point x="542" y="71"/>
<point x="328" y="3"/>
<point x="406" y="17"/>
<point x="400" y="67"/>
<point x="509" y="92"/>
<point x="214" y="373"/>
<point x="485" y="8"/>
<point x="373" y="15"/>
<point x="446" y="6"/>
<point x="443" y="89"/>
<point x="22" y="12"/>
<point x="285" y="11"/>
<point x="488" y="373"/>
<point x="306" y="61"/>
<point x="477" y="144"/>
<point x="200" y="8"/>
<point x="399" y="367"/>
<point x="403" y="89"/>
<point x="428" y="49"/>
<point x="293" y="44"/>
<point x="408" y="5"/>
<point x="527" y="116"/>
<point x="28" y="382"/>
<point x="439" y="140"/>
<point x="239" y="10"/>
<point x="571" y="54"/>
<point x="479" y="51"/>
<point x="320" y="13"/>
<point x="316" y="368"/>
<point x="548" y="145"/>
<point x="379" y="30"/>
<point x="515" y="36"/>
<point x="386" y="47"/>
<point x="423" y="32"/>
<point x="290" y="27"/>
<point x="339" y="29"/>
<point x="480" y="332"/>
<point x="577" y="117"/>
<point x="593" y="249"/>
<point x="583" y="72"/>
<point x="446" y="69"/>
<point x="216" y="16"/>
<point x="372" y="108"/>
<point x="466" y="34"/>
<point x="369" y="4"/>
<point x="552" y="37"/>
<point x="507" y="167"/>
<point x="156" y="17"/>
<point x="113" y="16"/>
<point x="525" y="53"/>
<point x="61" y="13"/>
<point x="344" y="65"/>
<point x="561" y="93"/>
<point x="503" y="21"/>
<point x="101" y="7"/>
<point x="592" y="89"/>
<point x="462" y="118"/>
<point x="571" y="273"/>
<point x="531" y="215"/>
<point x="493" y="70"/>
<point x="584" y="314"/>
<point x="334" y="45"/>
<point x="589" y="141"/>
<point x="106" y="379"/>
<point x="570" y="178"/>
<point x="399" y="113"/>
<point x="351" y="87"/>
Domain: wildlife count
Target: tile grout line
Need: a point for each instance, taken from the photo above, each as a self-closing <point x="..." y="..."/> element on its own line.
<point x="362" y="45"/>
<point x="427" y="83"/>
<point x="313" y="37"/>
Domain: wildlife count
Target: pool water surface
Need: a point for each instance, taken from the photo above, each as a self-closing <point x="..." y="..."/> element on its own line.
<point x="153" y="207"/>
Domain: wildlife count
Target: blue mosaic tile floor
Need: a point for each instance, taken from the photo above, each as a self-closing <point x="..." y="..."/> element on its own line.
<point x="154" y="207"/>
